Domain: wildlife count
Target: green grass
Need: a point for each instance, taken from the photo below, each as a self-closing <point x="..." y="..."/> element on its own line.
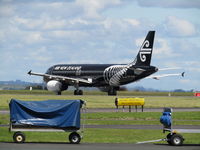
<point x="102" y="101"/>
<point x="4" y="119"/>
<point x="131" y="136"/>
<point x="99" y="136"/>
<point x="142" y="115"/>
<point x="138" y="122"/>
<point x="124" y="118"/>
<point x="144" y="118"/>
<point x="120" y="93"/>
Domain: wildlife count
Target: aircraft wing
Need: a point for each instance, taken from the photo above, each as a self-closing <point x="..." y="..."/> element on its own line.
<point x="63" y="78"/>
<point x="157" y="77"/>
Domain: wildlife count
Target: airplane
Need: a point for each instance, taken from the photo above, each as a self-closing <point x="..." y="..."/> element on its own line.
<point x="104" y="76"/>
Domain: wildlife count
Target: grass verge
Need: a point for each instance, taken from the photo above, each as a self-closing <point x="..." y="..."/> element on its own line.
<point x="86" y="92"/>
<point x="99" y="136"/>
<point x="102" y="101"/>
<point x="142" y="115"/>
<point x="123" y="118"/>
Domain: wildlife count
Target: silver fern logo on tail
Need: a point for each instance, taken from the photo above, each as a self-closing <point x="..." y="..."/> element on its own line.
<point x="113" y="74"/>
<point x="145" y="50"/>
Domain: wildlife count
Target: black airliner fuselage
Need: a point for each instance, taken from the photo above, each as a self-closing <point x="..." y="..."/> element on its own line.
<point x="100" y="75"/>
<point x="108" y="76"/>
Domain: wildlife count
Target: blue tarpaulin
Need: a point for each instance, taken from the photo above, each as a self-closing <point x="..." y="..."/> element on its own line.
<point x="166" y="120"/>
<point x="48" y="113"/>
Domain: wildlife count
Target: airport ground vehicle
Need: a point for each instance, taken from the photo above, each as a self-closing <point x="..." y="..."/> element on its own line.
<point x="174" y="137"/>
<point x="46" y="116"/>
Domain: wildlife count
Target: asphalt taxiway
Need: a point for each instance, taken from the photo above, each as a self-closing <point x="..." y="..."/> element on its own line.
<point x="87" y="146"/>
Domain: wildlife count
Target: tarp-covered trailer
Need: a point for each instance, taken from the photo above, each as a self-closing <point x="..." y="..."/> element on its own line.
<point x="48" y="115"/>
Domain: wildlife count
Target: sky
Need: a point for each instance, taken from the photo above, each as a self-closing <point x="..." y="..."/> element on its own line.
<point x="35" y="35"/>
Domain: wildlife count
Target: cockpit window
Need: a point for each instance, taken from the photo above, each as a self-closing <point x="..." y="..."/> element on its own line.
<point x="49" y="71"/>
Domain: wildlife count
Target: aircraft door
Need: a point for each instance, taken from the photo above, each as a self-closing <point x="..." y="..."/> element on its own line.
<point x="78" y="72"/>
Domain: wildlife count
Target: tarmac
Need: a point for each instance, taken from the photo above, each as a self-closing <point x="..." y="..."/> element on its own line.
<point x="88" y="146"/>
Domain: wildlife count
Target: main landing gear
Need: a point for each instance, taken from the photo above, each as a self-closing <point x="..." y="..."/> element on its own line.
<point x="78" y="92"/>
<point x="58" y="93"/>
<point x="112" y="91"/>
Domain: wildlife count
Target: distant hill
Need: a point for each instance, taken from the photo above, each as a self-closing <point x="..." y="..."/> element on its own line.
<point x="141" y="88"/>
<point x="16" y="85"/>
<point x="16" y="82"/>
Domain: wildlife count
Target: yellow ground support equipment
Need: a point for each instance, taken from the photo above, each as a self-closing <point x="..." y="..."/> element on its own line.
<point x="134" y="101"/>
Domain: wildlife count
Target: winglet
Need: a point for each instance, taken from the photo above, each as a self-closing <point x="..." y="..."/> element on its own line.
<point x="183" y="74"/>
<point x="29" y="72"/>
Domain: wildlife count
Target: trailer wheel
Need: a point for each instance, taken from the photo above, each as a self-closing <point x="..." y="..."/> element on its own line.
<point x="74" y="138"/>
<point x="176" y="140"/>
<point x="19" y="137"/>
<point x="169" y="138"/>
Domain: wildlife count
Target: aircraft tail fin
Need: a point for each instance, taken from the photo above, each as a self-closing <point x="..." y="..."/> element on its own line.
<point x="144" y="55"/>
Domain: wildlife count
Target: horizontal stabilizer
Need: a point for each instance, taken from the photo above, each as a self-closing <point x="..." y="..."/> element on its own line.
<point x="164" y="69"/>
<point x="157" y="77"/>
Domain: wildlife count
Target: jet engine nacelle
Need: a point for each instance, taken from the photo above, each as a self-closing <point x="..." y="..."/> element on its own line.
<point x="56" y="86"/>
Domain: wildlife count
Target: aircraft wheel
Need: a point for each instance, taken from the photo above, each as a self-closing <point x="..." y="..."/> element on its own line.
<point x="58" y="93"/>
<point x="75" y="92"/>
<point x="78" y="92"/>
<point x="19" y="137"/>
<point x="176" y="140"/>
<point x="74" y="138"/>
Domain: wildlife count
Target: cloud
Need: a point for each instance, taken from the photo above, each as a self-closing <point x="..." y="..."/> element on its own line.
<point x="44" y="23"/>
<point x="73" y="36"/>
<point x="93" y="8"/>
<point x="133" y="22"/>
<point x="179" y="27"/>
<point x="185" y="81"/>
<point x="162" y="48"/>
<point x="41" y="23"/>
<point x="170" y="3"/>
<point x="90" y="9"/>
<point x="39" y="54"/>
<point x="192" y="66"/>
<point x="6" y="9"/>
<point x="33" y="37"/>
